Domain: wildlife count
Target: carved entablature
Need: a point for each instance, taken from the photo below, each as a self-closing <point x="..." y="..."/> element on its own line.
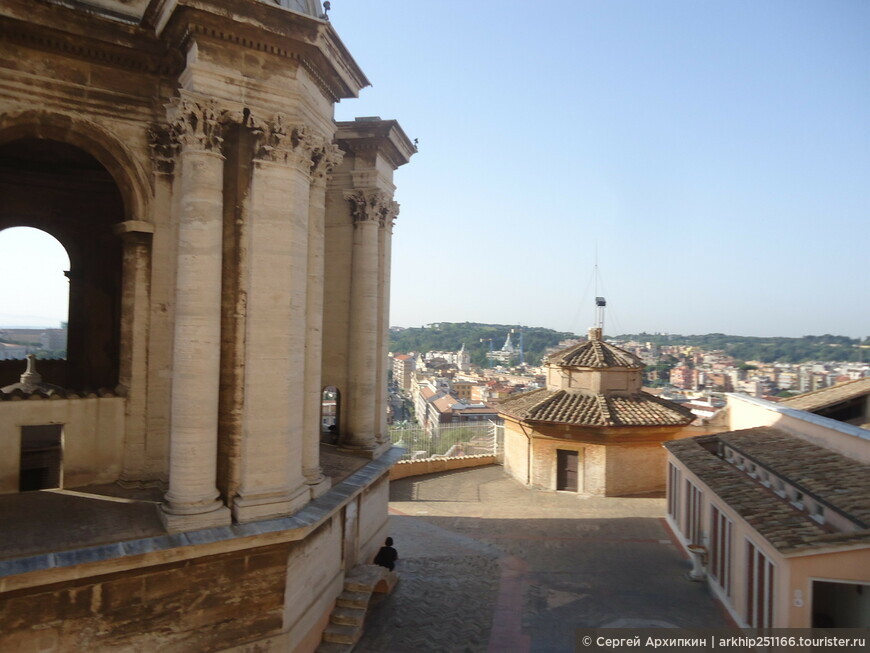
<point x="282" y="142"/>
<point x="196" y="125"/>
<point x="325" y="157"/>
<point x="372" y="206"/>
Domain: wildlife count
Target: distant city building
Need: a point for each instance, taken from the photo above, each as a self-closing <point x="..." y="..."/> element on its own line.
<point x="53" y="339"/>
<point x="404" y="366"/>
<point x="10" y="352"/>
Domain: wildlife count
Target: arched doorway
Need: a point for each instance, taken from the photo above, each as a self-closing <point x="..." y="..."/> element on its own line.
<point x="64" y="191"/>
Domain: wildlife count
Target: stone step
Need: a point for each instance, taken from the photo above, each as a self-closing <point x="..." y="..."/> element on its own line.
<point x="348" y="616"/>
<point x="364" y="578"/>
<point x="348" y="599"/>
<point x="334" y="647"/>
<point x="342" y="634"/>
<point x="390" y="580"/>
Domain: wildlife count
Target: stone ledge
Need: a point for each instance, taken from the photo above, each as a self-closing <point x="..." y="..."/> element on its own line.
<point x="406" y="468"/>
<point x="179" y="546"/>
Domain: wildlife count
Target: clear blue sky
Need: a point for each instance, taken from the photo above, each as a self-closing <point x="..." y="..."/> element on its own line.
<point x="717" y="155"/>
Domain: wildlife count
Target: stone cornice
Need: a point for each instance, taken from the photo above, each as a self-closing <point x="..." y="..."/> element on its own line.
<point x="74" y="33"/>
<point x="375" y="137"/>
<point x="267" y="28"/>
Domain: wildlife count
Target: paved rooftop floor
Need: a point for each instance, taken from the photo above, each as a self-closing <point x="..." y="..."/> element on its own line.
<point x="47" y="521"/>
<point x="487" y="564"/>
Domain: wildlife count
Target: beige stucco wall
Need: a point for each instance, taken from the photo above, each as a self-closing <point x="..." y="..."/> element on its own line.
<point x="373" y="516"/>
<point x="635" y="469"/>
<point x="516" y="452"/>
<point x="745" y="413"/>
<point x="843" y="566"/>
<point x="314" y="579"/>
<point x="93" y="437"/>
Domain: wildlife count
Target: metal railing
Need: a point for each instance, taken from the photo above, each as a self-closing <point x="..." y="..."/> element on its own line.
<point x="450" y="441"/>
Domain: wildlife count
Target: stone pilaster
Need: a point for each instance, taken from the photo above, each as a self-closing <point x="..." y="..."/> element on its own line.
<point x="324" y="158"/>
<point x="271" y="482"/>
<point x="135" y="302"/>
<point x="192" y="499"/>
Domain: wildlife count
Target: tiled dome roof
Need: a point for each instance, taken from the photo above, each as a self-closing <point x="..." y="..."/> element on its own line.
<point x="561" y="407"/>
<point x="595" y="353"/>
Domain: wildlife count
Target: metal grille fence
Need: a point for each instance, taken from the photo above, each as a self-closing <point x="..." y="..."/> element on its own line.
<point x="449" y="441"/>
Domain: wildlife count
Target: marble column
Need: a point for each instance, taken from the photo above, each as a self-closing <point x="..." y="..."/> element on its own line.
<point x="324" y="158"/>
<point x="385" y="244"/>
<point x="367" y="208"/>
<point x="192" y="499"/>
<point x="271" y="482"/>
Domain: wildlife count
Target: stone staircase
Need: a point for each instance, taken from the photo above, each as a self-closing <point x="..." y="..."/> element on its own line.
<point x="347" y="618"/>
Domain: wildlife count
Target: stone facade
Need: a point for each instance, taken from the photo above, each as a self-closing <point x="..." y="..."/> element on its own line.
<point x="229" y="247"/>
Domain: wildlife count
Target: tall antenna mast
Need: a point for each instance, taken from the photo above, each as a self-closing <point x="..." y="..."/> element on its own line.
<point x="600" y="302"/>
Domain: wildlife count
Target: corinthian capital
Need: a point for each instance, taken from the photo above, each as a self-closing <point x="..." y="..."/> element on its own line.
<point x="390" y="215"/>
<point x="371" y="206"/>
<point x="163" y="148"/>
<point x="282" y="142"/>
<point x="196" y="125"/>
<point x="324" y="158"/>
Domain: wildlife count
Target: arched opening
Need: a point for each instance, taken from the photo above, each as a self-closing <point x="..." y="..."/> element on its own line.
<point x="330" y="414"/>
<point x="62" y="190"/>
<point x="33" y="314"/>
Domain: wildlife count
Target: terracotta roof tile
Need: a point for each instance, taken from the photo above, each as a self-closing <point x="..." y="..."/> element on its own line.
<point x="561" y="407"/>
<point x="815" y="469"/>
<point x="840" y="481"/>
<point x="595" y="353"/>
<point x="826" y="396"/>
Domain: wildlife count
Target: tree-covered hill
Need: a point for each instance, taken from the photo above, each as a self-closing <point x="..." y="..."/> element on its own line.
<point x="768" y="350"/>
<point x="449" y="336"/>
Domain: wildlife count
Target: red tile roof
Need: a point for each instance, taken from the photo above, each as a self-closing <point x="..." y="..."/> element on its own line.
<point x="838" y="481"/>
<point x="561" y="407"/>
<point x="595" y="353"/>
<point x="827" y="396"/>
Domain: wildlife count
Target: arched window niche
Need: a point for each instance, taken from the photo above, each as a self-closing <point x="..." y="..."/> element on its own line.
<point x="62" y="191"/>
<point x="34" y="295"/>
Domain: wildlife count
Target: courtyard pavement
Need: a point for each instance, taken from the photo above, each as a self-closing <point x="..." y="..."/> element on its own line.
<point x="487" y="564"/>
